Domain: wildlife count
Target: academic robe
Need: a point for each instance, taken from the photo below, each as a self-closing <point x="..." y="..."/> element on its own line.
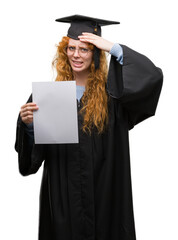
<point x="86" y="191"/>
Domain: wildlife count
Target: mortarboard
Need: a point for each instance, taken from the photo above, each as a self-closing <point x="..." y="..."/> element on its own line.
<point x="81" y="24"/>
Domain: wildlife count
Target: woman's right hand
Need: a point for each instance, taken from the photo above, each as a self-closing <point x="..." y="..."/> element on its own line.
<point x="26" y="112"/>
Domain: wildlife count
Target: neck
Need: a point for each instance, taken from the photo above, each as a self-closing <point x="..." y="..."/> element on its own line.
<point x="81" y="78"/>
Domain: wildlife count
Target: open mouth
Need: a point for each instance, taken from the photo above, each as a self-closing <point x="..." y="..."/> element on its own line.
<point x="77" y="63"/>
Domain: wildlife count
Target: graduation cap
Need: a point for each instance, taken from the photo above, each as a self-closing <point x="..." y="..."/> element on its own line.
<point x="80" y="24"/>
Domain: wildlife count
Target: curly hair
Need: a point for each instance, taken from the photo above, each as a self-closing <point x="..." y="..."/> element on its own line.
<point x="95" y="99"/>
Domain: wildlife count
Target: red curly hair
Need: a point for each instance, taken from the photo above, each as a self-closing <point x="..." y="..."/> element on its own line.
<point x="95" y="99"/>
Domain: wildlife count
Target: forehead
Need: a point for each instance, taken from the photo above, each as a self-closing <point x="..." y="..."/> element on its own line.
<point x="74" y="42"/>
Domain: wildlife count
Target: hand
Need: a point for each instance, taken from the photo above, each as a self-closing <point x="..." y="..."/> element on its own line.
<point x="98" y="41"/>
<point x="26" y="112"/>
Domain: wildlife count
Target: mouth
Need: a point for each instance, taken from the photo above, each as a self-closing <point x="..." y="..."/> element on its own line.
<point x="77" y="63"/>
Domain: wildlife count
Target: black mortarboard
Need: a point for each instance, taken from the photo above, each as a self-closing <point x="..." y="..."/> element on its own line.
<point x="81" y="24"/>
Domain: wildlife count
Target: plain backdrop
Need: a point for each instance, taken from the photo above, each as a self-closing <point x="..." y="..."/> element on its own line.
<point x="28" y="38"/>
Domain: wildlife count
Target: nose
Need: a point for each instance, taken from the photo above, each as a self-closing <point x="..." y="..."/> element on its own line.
<point x="76" y="53"/>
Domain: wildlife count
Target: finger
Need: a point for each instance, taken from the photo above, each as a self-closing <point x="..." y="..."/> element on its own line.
<point x="25" y="113"/>
<point x="89" y="34"/>
<point x="28" y="113"/>
<point x="87" y="37"/>
<point x="87" y="40"/>
<point x="29" y="108"/>
<point x="91" y="38"/>
<point x="27" y="119"/>
<point x="29" y="104"/>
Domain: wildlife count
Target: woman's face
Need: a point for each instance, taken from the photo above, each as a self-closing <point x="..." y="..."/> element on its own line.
<point x="79" y="55"/>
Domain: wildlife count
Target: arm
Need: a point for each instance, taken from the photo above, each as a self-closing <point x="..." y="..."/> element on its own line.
<point x="136" y="84"/>
<point x="30" y="155"/>
<point x="103" y="44"/>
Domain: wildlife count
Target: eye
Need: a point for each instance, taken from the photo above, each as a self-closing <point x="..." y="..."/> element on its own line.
<point x="84" y="50"/>
<point x="71" y="48"/>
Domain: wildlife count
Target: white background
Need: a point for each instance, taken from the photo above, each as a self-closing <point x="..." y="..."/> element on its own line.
<point x="28" y="35"/>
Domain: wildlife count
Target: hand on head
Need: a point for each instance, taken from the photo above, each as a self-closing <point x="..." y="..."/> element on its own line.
<point x="98" y="41"/>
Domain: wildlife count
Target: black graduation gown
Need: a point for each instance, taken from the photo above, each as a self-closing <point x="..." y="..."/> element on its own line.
<point x="86" y="189"/>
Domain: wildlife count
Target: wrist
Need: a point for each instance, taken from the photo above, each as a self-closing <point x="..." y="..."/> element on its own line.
<point x="109" y="46"/>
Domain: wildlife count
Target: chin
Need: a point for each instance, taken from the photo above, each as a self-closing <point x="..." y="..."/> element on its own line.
<point x="78" y="70"/>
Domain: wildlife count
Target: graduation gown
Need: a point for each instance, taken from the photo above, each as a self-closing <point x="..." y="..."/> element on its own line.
<point x="86" y="191"/>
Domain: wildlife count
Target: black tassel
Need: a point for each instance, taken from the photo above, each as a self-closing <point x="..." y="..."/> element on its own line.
<point x="97" y="57"/>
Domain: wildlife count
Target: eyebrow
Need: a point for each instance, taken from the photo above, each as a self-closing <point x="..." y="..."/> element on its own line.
<point x="71" y="45"/>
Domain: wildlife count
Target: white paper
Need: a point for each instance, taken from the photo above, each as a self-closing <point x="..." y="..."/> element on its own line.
<point x="56" y="119"/>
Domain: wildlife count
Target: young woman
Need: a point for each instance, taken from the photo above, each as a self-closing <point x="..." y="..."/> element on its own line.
<point x="86" y="187"/>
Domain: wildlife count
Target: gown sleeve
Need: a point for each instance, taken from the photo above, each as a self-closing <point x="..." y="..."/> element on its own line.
<point x="30" y="155"/>
<point x="136" y="84"/>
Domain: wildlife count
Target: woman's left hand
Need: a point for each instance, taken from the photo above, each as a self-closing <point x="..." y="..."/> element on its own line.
<point x="96" y="40"/>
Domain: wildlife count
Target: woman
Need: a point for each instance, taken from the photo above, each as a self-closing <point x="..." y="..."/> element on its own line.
<point x="86" y="187"/>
